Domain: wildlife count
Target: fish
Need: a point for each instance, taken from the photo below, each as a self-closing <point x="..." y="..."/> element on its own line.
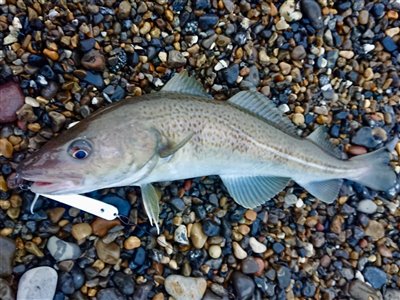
<point x="181" y="132"/>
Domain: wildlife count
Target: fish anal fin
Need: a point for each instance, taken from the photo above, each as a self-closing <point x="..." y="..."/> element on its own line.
<point x="151" y="202"/>
<point x="320" y="137"/>
<point x="264" y="108"/>
<point x="327" y="191"/>
<point x="253" y="191"/>
<point x="182" y="83"/>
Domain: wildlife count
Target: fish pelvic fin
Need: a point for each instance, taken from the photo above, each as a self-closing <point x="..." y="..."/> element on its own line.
<point x="253" y="191"/>
<point x="151" y="202"/>
<point x="326" y="191"/>
<point x="377" y="174"/>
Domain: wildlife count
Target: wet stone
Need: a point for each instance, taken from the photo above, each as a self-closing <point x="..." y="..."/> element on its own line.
<point x="207" y="21"/>
<point x="210" y="228"/>
<point x="11" y="99"/>
<point x="182" y="288"/>
<point x="94" y="79"/>
<point x="124" y="283"/>
<point x="62" y="250"/>
<point x="375" y="276"/>
<point x="364" y="137"/>
<point x="243" y="285"/>
<point x="176" y="59"/>
<point x="37" y="283"/>
<point x="392" y="294"/>
<point x="7" y="252"/>
<point x="389" y="44"/>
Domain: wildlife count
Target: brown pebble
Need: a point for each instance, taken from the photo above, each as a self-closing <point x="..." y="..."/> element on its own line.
<point x="81" y="231"/>
<point x="34" y="249"/>
<point x="336" y="225"/>
<point x="11" y="99"/>
<point x="101" y="227"/>
<point x="250" y="215"/>
<point x="356" y="150"/>
<point x="55" y="214"/>
<point x="385" y="251"/>
<point x="3" y="184"/>
<point x="53" y="55"/>
<point x="108" y="253"/>
<point x="94" y="60"/>
<point x="132" y="242"/>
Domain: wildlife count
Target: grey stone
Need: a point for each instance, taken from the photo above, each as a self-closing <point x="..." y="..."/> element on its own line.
<point x="181" y="287"/>
<point x="6" y="292"/>
<point x="62" y="250"/>
<point x="7" y="252"/>
<point x="38" y="283"/>
<point x="360" y="291"/>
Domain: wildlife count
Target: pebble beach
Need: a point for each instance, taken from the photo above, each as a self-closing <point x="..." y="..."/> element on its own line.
<point x="323" y="63"/>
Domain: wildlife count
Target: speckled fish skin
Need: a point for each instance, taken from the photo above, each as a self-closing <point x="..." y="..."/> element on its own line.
<point x="168" y="136"/>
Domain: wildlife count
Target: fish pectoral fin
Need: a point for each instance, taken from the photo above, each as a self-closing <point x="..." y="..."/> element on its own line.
<point x="327" y="191"/>
<point x="253" y="191"/>
<point x="182" y="83"/>
<point x="151" y="202"/>
<point x="320" y="137"/>
<point x="170" y="148"/>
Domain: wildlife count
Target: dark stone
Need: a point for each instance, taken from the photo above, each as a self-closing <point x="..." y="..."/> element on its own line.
<point x="110" y="293"/>
<point x="123" y="205"/>
<point x="208" y="21"/>
<point x="78" y="277"/>
<point x="94" y="79"/>
<point x="87" y="45"/>
<point x="364" y="137"/>
<point x="278" y="248"/>
<point x="284" y="277"/>
<point x="389" y="44"/>
<point x="312" y="11"/>
<point x="202" y="4"/>
<point x="142" y="291"/>
<point x="335" y="131"/>
<point x="309" y="289"/>
<point x="47" y="72"/>
<point x="66" y="283"/>
<point x="249" y="265"/>
<point x="178" y="204"/>
<point x="376" y="277"/>
<point x="243" y="285"/>
<point x="36" y="60"/>
<point x="50" y="90"/>
<point x="210" y="228"/>
<point x="378" y="10"/>
<point x="231" y="74"/>
<point x="124" y="283"/>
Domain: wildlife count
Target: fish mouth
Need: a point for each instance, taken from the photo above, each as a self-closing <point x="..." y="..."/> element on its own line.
<point x="47" y="185"/>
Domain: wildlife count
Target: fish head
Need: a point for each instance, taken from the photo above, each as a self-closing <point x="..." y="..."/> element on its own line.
<point x="89" y="156"/>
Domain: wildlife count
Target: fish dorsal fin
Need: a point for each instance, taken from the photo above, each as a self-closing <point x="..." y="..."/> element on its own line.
<point x="151" y="203"/>
<point x="253" y="191"/>
<point x="261" y="106"/>
<point x="327" y="191"/>
<point x="320" y="137"/>
<point x="182" y="83"/>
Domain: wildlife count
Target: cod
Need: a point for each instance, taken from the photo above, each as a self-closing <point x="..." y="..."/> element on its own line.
<point x="181" y="132"/>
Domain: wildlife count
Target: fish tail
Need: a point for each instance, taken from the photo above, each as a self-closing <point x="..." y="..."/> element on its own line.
<point x="377" y="174"/>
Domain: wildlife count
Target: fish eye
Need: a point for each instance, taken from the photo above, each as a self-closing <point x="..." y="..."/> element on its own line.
<point x="79" y="149"/>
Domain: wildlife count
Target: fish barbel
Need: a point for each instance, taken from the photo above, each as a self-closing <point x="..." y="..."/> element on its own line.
<point x="180" y="133"/>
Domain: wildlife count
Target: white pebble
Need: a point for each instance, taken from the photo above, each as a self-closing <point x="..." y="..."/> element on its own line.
<point x="256" y="246"/>
<point x="31" y="101"/>
<point x="284" y="108"/>
<point x="368" y="47"/>
<point x="367" y="206"/>
<point x="222" y="64"/>
<point x="238" y="251"/>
